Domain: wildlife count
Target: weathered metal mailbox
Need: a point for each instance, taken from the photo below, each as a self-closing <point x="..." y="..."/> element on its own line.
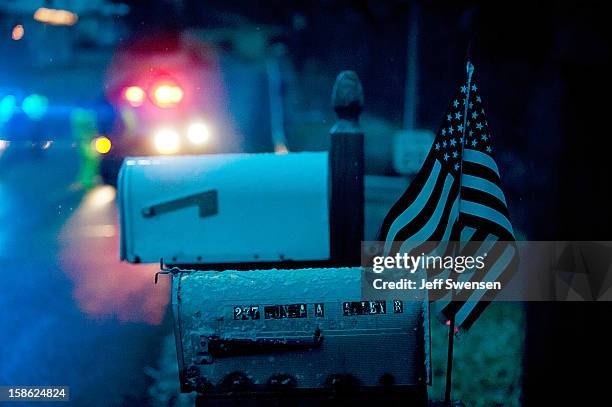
<point x="293" y="329"/>
<point x="263" y="250"/>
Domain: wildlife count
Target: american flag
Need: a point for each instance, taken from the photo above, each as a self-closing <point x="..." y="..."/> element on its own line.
<point x="457" y="197"/>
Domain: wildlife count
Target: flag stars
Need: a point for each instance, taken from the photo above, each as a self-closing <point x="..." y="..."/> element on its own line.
<point x="465" y="125"/>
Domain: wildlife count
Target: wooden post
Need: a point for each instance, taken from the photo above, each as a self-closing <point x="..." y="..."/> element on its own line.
<point x="346" y="163"/>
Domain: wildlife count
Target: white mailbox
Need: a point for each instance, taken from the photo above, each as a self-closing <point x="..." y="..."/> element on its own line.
<point x="230" y="208"/>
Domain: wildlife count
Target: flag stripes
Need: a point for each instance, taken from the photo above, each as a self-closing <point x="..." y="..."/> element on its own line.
<point x="412" y="196"/>
<point x="428" y="214"/>
<point x="501" y="257"/>
<point x="475" y="195"/>
<point x="479" y="210"/>
<point x="478" y="157"/>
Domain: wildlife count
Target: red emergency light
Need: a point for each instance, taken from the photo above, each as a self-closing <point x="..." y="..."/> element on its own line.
<point x="166" y="93"/>
<point x="163" y="93"/>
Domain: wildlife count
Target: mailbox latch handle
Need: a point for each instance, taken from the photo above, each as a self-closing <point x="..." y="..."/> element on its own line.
<point x="220" y="347"/>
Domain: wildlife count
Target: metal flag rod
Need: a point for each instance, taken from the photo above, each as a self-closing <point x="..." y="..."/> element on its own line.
<point x="470" y="71"/>
<point x="451" y="322"/>
<point x="449" y="361"/>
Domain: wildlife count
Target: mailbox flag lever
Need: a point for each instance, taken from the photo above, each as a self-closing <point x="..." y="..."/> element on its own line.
<point x="207" y="203"/>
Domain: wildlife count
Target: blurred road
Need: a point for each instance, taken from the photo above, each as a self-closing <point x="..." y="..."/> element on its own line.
<point x="70" y="312"/>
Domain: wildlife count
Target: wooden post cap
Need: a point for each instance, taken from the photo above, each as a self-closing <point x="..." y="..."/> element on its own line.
<point x="347" y="100"/>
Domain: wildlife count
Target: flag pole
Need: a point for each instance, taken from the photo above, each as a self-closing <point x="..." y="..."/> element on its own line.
<point x="451" y="321"/>
<point x="449" y="361"/>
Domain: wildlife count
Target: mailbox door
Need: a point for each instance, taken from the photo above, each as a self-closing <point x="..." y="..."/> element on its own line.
<point x="306" y="328"/>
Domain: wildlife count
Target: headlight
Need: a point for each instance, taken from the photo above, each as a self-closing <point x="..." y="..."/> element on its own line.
<point x="167" y="141"/>
<point x="167" y="94"/>
<point x="198" y="133"/>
